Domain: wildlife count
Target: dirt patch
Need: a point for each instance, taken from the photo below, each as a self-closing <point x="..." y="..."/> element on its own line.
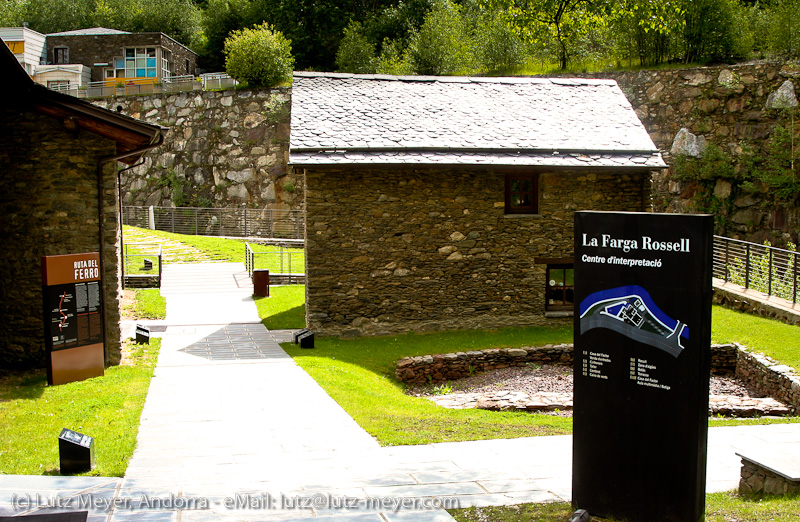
<point x="127" y="304"/>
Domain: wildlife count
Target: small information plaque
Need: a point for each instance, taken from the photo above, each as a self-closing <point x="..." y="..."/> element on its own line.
<point x="72" y="306"/>
<point x="642" y="365"/>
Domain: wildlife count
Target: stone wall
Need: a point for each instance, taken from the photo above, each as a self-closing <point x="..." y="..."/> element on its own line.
<point x="223" y="149"/>
<point x="758" y="479"/>
<point x="762" y="374"/>
<point x="425" y="369"/>
<point x="418" y="250"/>
<point x="728" y="106"/>
<point x="735" y="301"/>
<point x="49" y="203"/>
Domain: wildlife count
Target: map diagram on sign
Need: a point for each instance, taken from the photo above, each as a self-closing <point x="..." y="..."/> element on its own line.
<point x="631" y="311"/>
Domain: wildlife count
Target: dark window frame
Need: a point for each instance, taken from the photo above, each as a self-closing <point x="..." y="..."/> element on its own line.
<point x="60" y="55"/>
<point x="563" y="295"/>
<point x="533" y="193"/>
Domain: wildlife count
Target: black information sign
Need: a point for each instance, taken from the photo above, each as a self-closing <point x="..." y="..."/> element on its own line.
<point x="642" y="364"/>
<point x="74" y="314"/>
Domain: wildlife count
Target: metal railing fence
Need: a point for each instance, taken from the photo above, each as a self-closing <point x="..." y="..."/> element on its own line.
<point x="224" y="222"/>
<point x="281" y="261"/>
<point x="111" y="87"/>
<point x="142" y="260"/>
<point x="765" y="268"/>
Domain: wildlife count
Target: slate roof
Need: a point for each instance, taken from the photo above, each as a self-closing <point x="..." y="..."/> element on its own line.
<point x="89" y="32"/>
<point x="345" y="119"/>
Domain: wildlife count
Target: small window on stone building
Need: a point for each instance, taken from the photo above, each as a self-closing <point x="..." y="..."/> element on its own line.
<point x="60" y="55"/>
<point x="522" y="193"/>
<point x="560" y="293"/>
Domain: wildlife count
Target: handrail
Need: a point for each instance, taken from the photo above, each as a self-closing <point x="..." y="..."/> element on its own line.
<point x="133" y="86"/>
<point x="281" y="265"/>
<point x="282" y="226"/>
<point x="764" y="268"/>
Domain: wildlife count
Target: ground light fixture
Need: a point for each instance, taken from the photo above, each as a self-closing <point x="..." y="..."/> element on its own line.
<point x="76" y="452"/>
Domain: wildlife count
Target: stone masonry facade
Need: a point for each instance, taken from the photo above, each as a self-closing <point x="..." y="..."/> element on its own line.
<point x="223" y="149"/>
<point x="402" y="250"/>
<point x="49" y="203"/>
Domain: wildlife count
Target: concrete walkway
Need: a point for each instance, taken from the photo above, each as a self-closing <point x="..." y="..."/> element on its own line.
<point x="234" y="430"/>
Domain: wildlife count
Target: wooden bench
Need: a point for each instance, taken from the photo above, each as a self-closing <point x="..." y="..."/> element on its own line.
<point x="769" y="472"/>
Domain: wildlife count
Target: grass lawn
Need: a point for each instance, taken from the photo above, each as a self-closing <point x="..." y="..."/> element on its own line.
<point x="222" y="249"/>
<point x="720" y="507"/>
<point x="779" y="340"/>
<point x="284" y="308"/>
<point x="107" y="408"/>
<point x="149" y="304"/>
<point x="359" y="375"/>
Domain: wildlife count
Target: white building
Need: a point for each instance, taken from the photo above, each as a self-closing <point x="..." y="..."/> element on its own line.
<point x="27" y="45"/>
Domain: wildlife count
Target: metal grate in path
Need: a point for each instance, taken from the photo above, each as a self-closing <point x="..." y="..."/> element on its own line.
<point x="235" y="342"/>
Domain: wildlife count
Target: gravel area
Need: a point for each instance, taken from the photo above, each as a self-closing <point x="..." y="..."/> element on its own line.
<point x="546" y="378"/>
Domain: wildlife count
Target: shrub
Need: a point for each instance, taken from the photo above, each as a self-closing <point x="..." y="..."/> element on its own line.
<point x="442" y="45"/>
<point x="259" y="56"/>
<point x="356" y="53"/>
<point x="498" y="46"/>
<point x="784" y="29"/>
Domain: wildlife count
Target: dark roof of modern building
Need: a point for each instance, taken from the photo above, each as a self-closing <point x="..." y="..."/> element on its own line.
<point x="89" y="32"/>
<point x="346" y="119"/>
<point x="18" y="90"/>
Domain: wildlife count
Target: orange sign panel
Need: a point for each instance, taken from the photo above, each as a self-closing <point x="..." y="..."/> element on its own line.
<point x="16" y="47"/>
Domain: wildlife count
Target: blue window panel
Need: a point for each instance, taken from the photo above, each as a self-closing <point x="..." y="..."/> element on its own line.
<point x="151" y="62"/>
<point x="151" y="73"/>
<point x="139" y="73"/>
<point x="119" y="63"/>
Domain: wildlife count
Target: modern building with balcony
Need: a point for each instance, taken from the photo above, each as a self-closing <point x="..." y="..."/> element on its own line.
<point x="119" y="57"/>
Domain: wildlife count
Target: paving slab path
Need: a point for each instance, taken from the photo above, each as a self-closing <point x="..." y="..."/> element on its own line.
<point x="233" y="430"/>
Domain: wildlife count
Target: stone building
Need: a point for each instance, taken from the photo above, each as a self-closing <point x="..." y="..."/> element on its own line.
<point x="119" y="56"/>
<point x="444" y="203"/>
<point x="58" y="195"/>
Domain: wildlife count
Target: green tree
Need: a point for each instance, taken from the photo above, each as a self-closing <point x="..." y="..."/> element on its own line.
<point x="442" y="45"/>
<point x="715" y="30"/>
<point x="356" y="53"/>
<point x="498" y="48"/>
<point x="784" y="29"/>
<point x="11" y="13"/>
<point x="179" y="19"/>
<point x="220" y="18"/>
<point x="648" y="31"/>
<point x="562" y="21"/>
<point x="52" y="16"/>
<point x="260" y="56"/>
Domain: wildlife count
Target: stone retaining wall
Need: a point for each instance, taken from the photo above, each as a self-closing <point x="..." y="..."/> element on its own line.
<point x="729" y="106"/>
<point x="760" y="373"/>
<point x="443" y="367"/>
<point x="758" y="479"/>
<point x="756" y="371"/>
<point x="449" y="366"/>
<point x="223" y="149"/>
<point x="735" y="301"/>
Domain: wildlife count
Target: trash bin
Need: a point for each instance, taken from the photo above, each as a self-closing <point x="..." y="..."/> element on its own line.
<point x="261" y="283"/>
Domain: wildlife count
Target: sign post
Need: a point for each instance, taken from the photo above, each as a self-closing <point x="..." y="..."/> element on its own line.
<point x="642" y="365"/>
<point x="73" y="325"/>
